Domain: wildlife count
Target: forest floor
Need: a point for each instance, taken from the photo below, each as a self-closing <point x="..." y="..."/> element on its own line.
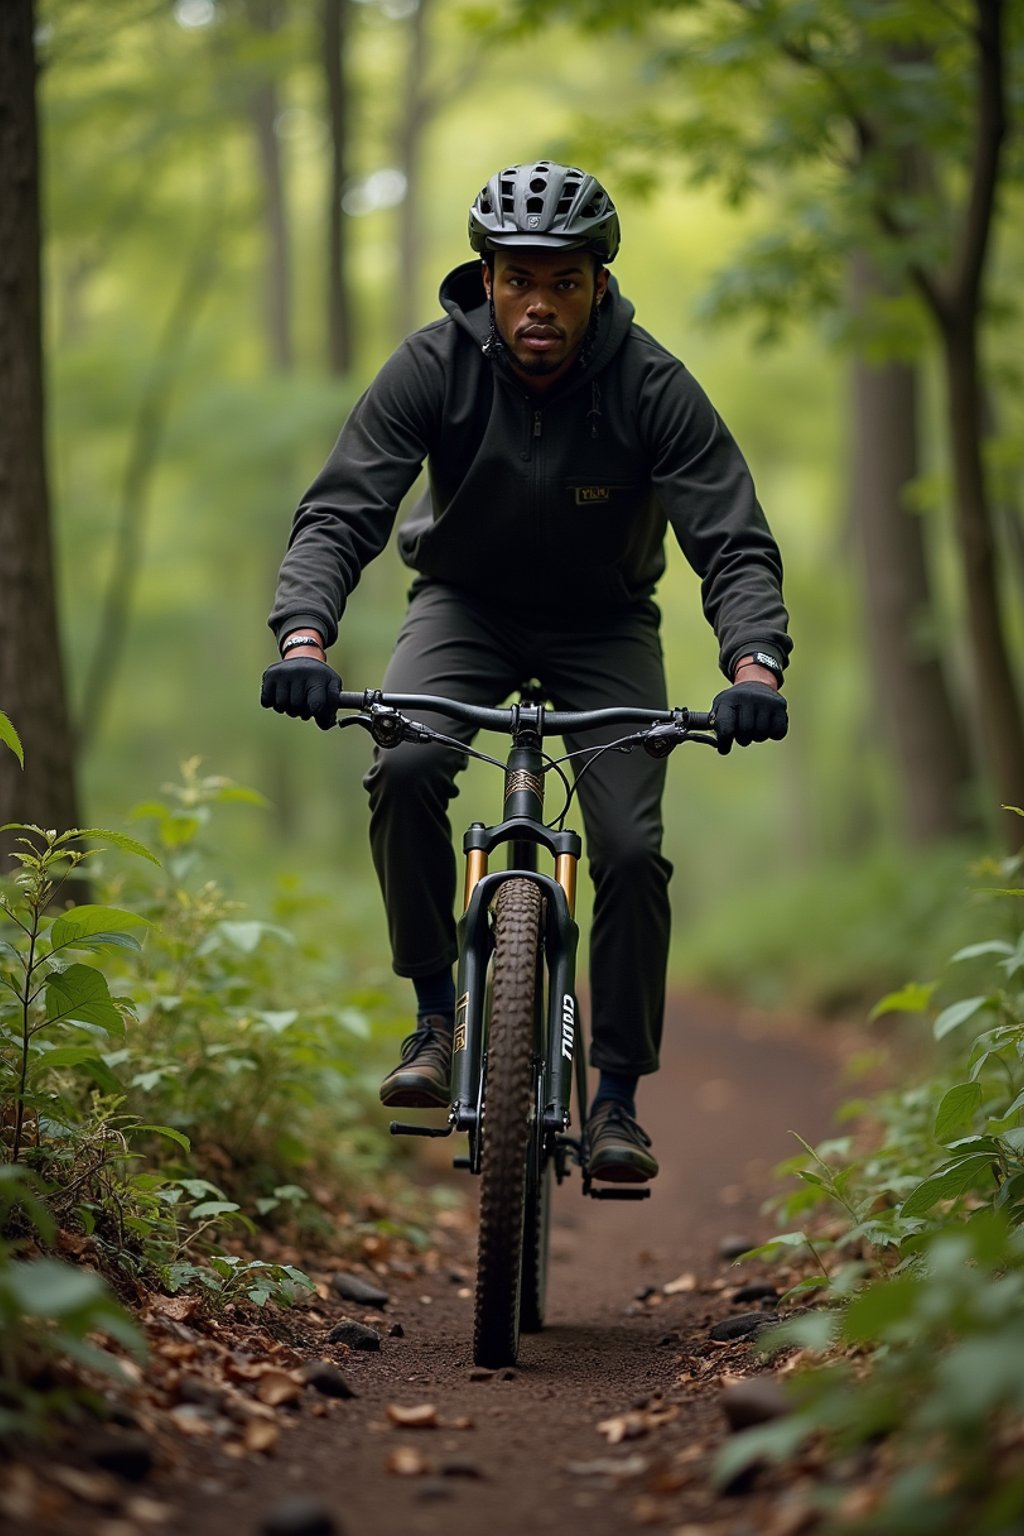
<point x="608" y="1423"/>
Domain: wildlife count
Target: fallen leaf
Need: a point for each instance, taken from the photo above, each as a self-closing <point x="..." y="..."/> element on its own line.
<point x="692" y="1452"/>
<point x="180" y="1308"/>
<point x="190" y="1420"/>
<point x="90" y="1487"/>
<point x="278" y="1387"/>
<point x="18" y="1496"/>
<point x="624" y="1426"/>
<point x="680" y="1285"/>
<point x="462" y="1422"/>
<point x="648" y="1511"/>
<point x="420" y="1416"/>
<point x="174" y="1349"/>
<point x="623" y="1467"/>
<point x="260" y="1436"/>
<point x="148" y="1511"/>
<point x="406" y="1461"/>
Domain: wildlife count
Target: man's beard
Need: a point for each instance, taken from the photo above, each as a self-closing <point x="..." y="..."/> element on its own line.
<point x="536" y="366"/>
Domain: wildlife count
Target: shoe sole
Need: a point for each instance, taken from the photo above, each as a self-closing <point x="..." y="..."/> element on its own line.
<point x="414" y="1097"/>
<point x="621" y="1173"/>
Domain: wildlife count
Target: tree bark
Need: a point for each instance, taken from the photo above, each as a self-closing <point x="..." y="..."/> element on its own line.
<point x="955" y="303"/>
<point x="995" y="689"/>
<point x="32" y="689"/>
<point x="913" y="701"/>
<point x="339" y="312"/>
<point x="277" y="256"/>
<point x="416" y="113"/>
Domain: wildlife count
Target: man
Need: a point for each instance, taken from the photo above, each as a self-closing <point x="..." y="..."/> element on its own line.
<point x="561" y="441"/>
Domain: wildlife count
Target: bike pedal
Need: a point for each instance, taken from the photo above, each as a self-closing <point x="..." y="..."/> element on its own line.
<point x="619" y="1194"/>
<point x="398" y="1129"/>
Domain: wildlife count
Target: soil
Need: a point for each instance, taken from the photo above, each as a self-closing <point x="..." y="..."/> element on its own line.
<point x="524" y="1449"/>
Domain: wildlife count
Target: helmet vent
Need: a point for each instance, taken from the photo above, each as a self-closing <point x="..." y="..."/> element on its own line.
<point x="535" y="205"/>
<point x="538" y="184"/>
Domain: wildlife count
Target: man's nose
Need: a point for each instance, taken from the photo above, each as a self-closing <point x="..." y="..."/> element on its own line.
<point x="540" y="304"/>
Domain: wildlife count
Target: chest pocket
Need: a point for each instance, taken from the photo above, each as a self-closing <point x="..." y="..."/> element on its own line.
<point x="595" y="521"/>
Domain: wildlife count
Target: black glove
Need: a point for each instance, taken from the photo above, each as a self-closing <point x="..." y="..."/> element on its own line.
<point x="749" y="712"/>
<point x="303" y="688"/>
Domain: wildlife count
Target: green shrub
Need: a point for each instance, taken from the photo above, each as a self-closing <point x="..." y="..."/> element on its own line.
<point x="921" y="1266"/>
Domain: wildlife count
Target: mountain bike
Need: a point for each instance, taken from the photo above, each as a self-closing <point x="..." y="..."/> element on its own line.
<point x="519" y="1052"/>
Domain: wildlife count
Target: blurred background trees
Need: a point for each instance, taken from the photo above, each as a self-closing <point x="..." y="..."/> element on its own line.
<point x="246" y="203"/>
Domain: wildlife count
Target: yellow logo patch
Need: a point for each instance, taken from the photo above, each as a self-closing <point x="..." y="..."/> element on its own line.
<point x="586" y="494"/>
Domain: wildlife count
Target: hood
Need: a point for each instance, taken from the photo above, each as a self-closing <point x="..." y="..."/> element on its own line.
<point x="463" y="297"/>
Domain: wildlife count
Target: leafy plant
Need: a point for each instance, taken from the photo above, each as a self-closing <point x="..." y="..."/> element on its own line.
<point x="921" y="1260"/>
<point x="10" y="737"/>
<point x="926" y="1379"/>
<point x="50" y="1313"/>
<point x="56" y="1010"/>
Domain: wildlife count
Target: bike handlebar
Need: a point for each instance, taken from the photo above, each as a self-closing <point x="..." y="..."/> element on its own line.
<point x="555" y="722"/>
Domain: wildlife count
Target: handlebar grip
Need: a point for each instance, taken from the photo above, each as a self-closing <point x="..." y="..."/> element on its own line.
<point x="700" y="719"/>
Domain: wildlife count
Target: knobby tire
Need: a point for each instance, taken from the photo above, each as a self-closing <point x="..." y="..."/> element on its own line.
<point x="508" y="1122"/>
<point x="536" y="1236"/>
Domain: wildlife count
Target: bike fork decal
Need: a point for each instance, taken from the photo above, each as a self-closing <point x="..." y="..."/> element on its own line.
<point x="461" y="1013"/>
<point x="568" y="1025"/>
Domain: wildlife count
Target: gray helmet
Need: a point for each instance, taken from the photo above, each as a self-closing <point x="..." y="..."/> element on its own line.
<point x="544" y="204"/>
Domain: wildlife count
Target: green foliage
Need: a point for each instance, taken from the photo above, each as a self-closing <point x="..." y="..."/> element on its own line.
<point x="922" y="1265"/>
<point x="10" y="737"/>
<point x="49" y="1002"/>
<point x="834" y="936"/>
<point x="238" y="1041"/>
<point x="169" y="1067"/>
<point x="945" y="1389"/>
<point x="50" y="1313"/>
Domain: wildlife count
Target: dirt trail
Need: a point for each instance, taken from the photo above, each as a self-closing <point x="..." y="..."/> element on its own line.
<point x="720" y="1112"/>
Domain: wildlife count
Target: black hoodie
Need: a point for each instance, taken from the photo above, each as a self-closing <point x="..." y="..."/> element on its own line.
<point x="555" y="505"/>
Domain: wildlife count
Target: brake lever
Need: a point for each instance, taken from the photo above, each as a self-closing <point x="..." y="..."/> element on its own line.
<point x="660" y="740"/>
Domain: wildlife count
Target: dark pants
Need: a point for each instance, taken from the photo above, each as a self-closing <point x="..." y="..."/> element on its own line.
<point x="450" y="646"/>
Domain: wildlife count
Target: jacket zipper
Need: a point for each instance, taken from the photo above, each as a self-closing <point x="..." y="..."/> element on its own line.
<point x="538" y="479"/>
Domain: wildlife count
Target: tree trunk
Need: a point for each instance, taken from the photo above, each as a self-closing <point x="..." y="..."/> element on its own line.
<point x="277" y="259"/>
<point x="32" y="688"/>
<point x="913" y="701"/>
<point x="414" y="117"/>
<point x="995" y="691"/>
<point x="339" y="315"/>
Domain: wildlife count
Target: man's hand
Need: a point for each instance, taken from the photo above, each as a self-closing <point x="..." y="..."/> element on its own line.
<point x="749" y="712"/>
<point x="303" y="688"/>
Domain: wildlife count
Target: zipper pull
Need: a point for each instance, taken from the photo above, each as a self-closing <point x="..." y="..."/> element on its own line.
<point x="537" y="419"/>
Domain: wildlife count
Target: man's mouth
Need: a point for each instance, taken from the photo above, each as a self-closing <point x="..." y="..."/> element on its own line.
<point x="540" y="338"/>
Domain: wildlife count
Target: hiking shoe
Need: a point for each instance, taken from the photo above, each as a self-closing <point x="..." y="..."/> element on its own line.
<point x="422" y="1079"/>
<point x="618" y="1147"/>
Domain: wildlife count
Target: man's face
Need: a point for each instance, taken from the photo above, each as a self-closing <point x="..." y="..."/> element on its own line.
<point x="542" y="303"/>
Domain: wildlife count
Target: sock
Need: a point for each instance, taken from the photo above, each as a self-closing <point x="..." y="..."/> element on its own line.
<point x="617" y="1088"/>
<point x="435" y="995"/>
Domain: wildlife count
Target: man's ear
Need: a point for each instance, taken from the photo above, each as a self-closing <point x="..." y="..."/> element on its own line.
<point x="601" y="283"/>
<point x="485" y="273"/>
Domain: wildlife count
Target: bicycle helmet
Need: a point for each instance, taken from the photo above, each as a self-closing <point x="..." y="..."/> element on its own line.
<point x="544" y="204"/>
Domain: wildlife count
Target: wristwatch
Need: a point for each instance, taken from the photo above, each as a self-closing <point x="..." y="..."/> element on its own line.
<point x="763" y="659"/>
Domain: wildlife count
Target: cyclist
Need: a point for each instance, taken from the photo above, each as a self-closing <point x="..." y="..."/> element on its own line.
<point x="561" y="441"/>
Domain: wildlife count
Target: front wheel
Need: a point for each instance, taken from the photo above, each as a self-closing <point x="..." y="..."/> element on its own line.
<point x="508" y="1121"/>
